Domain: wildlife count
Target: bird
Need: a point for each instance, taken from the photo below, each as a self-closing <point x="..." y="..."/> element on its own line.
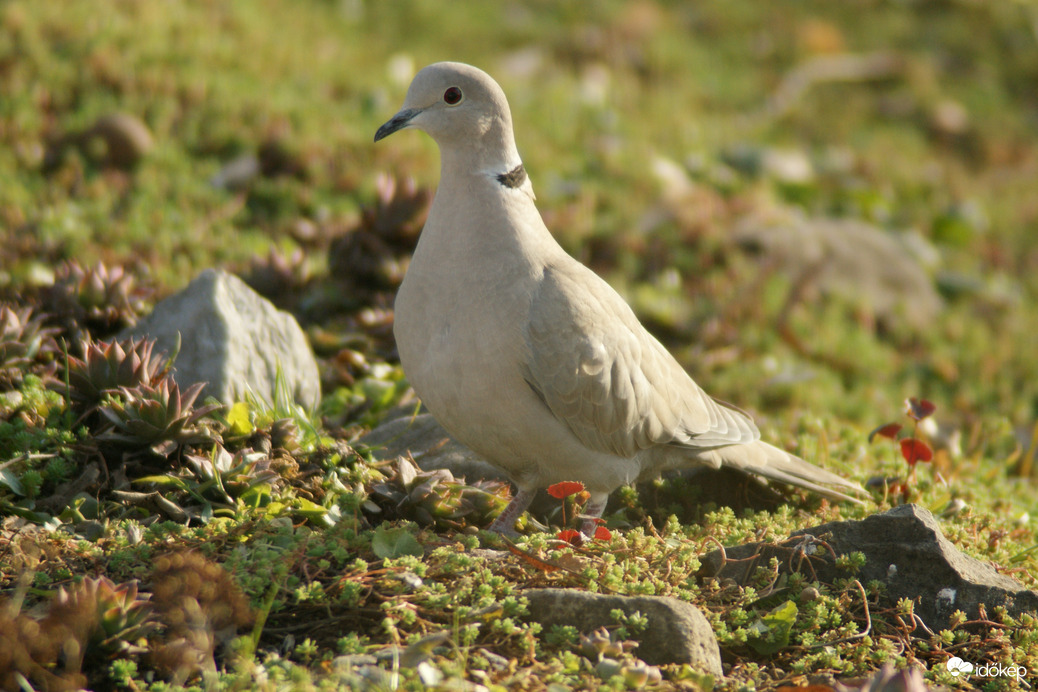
<point x="528" y="357"/>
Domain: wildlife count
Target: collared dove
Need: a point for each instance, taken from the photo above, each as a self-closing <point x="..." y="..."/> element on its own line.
<point x="527" y="356"/>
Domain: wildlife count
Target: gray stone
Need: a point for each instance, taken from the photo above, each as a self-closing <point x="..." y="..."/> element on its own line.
<point x="233" y="339"/>
<point x="883" y="272"/>
<point x="126" y="139"/>
<point x="677" y="633"/>
<point x="403" y="433"/>
<point x="904" y="549"/>
<point x="237" y="173"/>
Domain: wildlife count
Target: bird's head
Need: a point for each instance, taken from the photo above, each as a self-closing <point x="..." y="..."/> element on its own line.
<point x="463" y="109"/>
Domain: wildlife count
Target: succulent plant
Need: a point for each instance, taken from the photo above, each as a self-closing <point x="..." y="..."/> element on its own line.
<point x="122" y="616"/>
<point x="233" y="474"/>
<point x="100" y="299"/>
<point x="110" y="366"/>
<point x="611" y="657"/>
<point x="376" y="252"/>
<point x="438" y="498"/>
<point x="284" y="434"/>
<point x="155" y="416"/>
<point x="638" y="674"/>
<point x="26" y="652"/>
<point x="278" y="274"/>
<point x="24" y="341"/>
<point x="400" y="209"/>
<point x="602" y="644"/>
<point x="94" y="620"/>
<point x="203" y="607"/>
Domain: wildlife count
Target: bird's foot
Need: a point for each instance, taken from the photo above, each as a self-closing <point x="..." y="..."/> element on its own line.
<point x="505" y="522"/>
<point x="592" y="515"/>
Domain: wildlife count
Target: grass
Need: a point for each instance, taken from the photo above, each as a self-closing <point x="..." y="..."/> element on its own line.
<point x="312" y="531"/>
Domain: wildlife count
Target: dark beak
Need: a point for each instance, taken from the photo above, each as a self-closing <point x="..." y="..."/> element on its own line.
<point x="398" y="122"/>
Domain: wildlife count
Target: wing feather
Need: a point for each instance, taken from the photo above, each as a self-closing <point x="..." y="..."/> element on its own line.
<point x="602" y="374"/>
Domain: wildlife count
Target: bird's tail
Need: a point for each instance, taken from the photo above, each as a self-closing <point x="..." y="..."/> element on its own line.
<point x="764" y="460"/>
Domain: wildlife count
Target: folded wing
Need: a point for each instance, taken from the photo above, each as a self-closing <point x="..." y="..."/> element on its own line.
<point x="611" y="382"/>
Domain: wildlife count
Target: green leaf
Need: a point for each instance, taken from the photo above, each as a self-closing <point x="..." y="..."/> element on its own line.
<point x="24" y="513"/>
<point x="773" y="630"/>
<point x="256" y="496"/>
<point x="379" y="393"/>
<point x="388" y="543"/>
<point x="164" y="482"/>
<point x="311" y="511"/>
<point x="239" y="421"/>
<point x="11" y="481"/>
<point x="80" y="508"/>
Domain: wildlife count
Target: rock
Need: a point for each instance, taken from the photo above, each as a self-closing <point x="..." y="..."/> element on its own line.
<point x="950" y="117"/>
<point x="233" y="339"/>
<point x="677" y="633"/>
<point x="873" y="268"/>
<point x="904" y="548"/>
<point x="429" y="445"/>
<point x="126" y="139"/>
<point x="237" y="173"/>
<point x="789" y="166"/>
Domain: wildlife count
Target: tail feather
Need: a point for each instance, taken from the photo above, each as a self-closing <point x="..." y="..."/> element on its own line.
<point x="764" y="460"/>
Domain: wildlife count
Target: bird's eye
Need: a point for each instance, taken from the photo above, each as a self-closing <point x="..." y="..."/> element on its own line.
<point x="452" y="96"/>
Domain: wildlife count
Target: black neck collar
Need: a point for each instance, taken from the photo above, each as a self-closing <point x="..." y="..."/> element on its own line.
<point x="513" y="178"/>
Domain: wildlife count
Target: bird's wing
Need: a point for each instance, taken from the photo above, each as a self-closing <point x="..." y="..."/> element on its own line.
<point x="602" y="374"/>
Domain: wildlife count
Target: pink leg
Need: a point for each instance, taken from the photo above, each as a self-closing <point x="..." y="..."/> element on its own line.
<point x="505" y="522"/>
<point x="595" y="506"/>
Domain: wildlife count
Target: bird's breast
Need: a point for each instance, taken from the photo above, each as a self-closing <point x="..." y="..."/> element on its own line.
<point x="455" y="330"/>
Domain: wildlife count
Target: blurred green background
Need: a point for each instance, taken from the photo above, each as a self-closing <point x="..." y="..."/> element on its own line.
<point x="652" y="131"/>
